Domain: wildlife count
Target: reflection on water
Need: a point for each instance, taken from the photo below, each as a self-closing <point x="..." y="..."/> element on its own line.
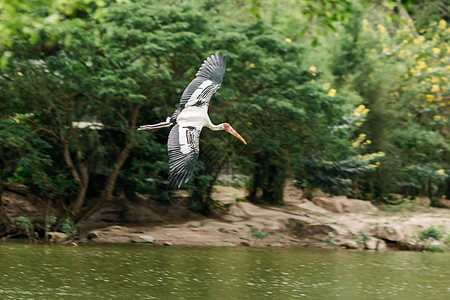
<point x="156" y="272"/>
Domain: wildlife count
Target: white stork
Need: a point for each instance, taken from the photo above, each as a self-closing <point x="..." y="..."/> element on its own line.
<point x="189" y="119"/>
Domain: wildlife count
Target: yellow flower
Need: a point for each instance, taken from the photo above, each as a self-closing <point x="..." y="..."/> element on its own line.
<point x="421" y="65"/>
<point x="415" y="42"/>
<point x="365" y="22"/>
<point x="332" y="93"/>
<point x="326" y="86"/>
<point x="313" y="69"/>
<point x="435" y="88"/>
<point x="20" y="73"/>
<point x="381" y="28"/>
<point x="441" y="171"/>
<point x="249" y="123"/>
<point x="360" y="111"/>
<point x="434" y="79"/>
<point x="288" y="40"/>
<point x="442" y="24"/>
<point x="252" y="65"/>
<point x="405" y="41"/>
<point x="436" y="51"/>
<point x="437" y="117"/>
<point x="430" y="97"/>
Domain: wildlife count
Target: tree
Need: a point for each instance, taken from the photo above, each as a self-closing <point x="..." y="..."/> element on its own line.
<point x="101" y="77"/>
<point x="396" y="72"/>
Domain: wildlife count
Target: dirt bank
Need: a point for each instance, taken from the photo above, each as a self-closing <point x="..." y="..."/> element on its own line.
<point x="323" y="222"/>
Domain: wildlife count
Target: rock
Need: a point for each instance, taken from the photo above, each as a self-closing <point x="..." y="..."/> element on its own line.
<point x="350" y="244"/>
<point x="142" y="239"/>
<point x="114" y="228"/>
<point x="340" y="204"/>
<point x="434" y="242"/>
<point x="57" y="237"/>
<point x="381" y="245"/>
<point x="356" y="205"/>
<point x="194" y="224"/>
<point x="245" y="243"/>
<point x="392" y="233"/>
<point x="17" y="188"/>
<point x="138" y="213"/>
<point x="319" y="229"/>
<point x="371" y="244"/>
<point x="92" y="235"/>
<point x="444" y="202"/>
<point x="432" y="245"/>
<point x="375" y="244"/>
<point x="328" y="204"/>
<point x="168" y="244"/>
<point x="311" y="207"/>
<point x="422" y="200"/>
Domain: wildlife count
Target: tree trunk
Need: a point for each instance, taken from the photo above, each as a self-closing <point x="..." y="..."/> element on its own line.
<point x="81" y="177"/>
<point x="112" y="179"/>
<point x="5" y="222"/>
<point x="111" y="183"/>
<point x="110" y="186"/>
<point x="1" y="183"/>
<point x="255" y="184"/>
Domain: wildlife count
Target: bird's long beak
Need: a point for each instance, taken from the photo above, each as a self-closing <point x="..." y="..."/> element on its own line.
<point x="234" y="132"/>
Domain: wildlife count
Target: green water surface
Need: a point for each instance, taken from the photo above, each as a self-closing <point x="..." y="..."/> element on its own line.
<point x="157" y="272"/>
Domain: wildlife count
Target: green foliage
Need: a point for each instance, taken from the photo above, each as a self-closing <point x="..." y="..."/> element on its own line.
<point x="50" y="222"/>
<point x="329" y="241"/>
<point x="26" y="225"/>
<point x="317" y="88"/>
<point x="427" y="236"/>
<point x="395" y="74"/>
<point x="68" y="227"/>
<point x="361" y="238"/>
<point x="259" y="234"/>
<point x="431" y="232"/>
<point x="334" y="177"/>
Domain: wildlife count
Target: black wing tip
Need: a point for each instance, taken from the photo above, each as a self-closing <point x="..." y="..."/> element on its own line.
<point x="175" y="182"/>
<point x="213" y="67"/>
<point x="221" y="58"/>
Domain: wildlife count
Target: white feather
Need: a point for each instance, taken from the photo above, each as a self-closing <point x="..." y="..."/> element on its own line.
<point x="198" y="91"/>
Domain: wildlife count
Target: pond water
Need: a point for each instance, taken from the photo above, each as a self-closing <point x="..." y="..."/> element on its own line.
<point x="157" y="272"/>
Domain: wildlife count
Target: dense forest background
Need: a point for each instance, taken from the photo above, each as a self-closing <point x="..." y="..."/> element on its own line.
<point x="349" y="97"/>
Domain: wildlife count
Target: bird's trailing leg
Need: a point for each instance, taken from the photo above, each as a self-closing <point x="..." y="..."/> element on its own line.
<point x="166" y="123"/>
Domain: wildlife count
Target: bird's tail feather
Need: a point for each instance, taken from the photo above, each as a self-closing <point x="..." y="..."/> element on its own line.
<point x="166" y="123"/>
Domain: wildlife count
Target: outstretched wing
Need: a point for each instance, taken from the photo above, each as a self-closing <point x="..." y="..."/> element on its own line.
<point x="206" y="82"/>
<point x="183" y="148"/>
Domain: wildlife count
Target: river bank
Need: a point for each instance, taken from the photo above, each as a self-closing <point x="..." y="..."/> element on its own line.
<point x="322" y="222"/>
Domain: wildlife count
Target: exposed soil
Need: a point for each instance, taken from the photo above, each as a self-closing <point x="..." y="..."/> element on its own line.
<point x="323" y="222"/>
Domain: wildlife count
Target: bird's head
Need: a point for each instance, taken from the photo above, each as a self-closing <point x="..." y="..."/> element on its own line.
<point x="227" y="127"/>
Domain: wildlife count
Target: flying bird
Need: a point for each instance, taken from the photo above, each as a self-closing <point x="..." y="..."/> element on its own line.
<point x="189" y="119"/>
